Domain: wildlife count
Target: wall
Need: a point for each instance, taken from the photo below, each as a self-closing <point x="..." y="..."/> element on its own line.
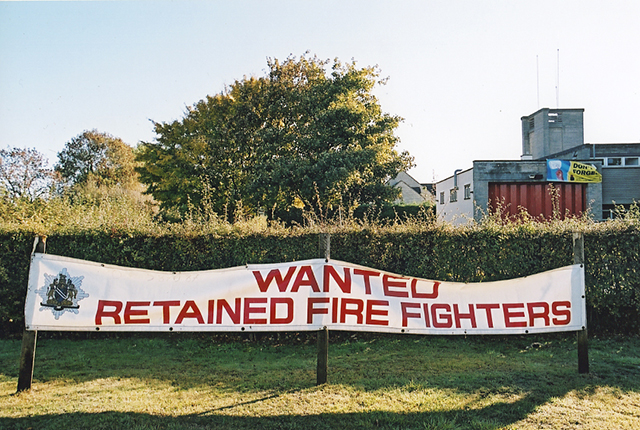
<point x="542" y="200"/>
<point x="408" y="194"/>
<point x="621" y="185"/>
<point x="485" y="172"/>
<point x="461" y="211"/>
<point x="553" y="131"/>
<point x="411" y="190"/>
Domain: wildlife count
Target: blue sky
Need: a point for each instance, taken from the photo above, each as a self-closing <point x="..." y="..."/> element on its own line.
<point x="461" y="73"/>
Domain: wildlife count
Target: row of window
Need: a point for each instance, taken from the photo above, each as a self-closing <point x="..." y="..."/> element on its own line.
<point x="621" y="161"/>
<point x="614" y="211"/>
<point x="453" y="194"/>
<point x="552" y="117"/>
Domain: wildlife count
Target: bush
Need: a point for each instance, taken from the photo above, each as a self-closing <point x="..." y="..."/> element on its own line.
<point x="417" y="246"/>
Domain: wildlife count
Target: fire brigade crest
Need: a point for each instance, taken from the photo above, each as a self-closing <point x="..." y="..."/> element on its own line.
<point x="61" y="293"/>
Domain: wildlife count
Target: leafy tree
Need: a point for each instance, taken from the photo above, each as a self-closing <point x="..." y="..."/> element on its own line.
<point x="24" y="174"/>
<point x="207" y="155"/>
<point x="99" y="158"/>
<point x="301" y="135"/>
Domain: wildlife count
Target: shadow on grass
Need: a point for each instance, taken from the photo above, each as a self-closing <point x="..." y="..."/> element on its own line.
<point x="491" y="417"/>
<point x="528" y="376"/>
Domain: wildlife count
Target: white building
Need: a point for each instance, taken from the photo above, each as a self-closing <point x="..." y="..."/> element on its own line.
<point x="411" y="191"/>
<point x="529" y="184"/>
<point x="454" y="198"/>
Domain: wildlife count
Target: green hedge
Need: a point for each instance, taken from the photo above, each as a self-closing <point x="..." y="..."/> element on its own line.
<point x="380" y="213"/>
<point x="474" y="254"/>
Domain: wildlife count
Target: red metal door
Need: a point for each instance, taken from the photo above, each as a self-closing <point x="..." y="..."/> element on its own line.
<point x="540" y="200"/>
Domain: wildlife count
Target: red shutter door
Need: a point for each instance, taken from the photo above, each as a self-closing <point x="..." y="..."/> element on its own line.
<point x="539" y="199"/>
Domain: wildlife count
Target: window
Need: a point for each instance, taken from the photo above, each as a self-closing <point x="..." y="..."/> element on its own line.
<point x="555" y="116"/>
<point x="453" y="195"/>
<point x="614" y="211"/>
<point x="442" y="197"/>
<point x="467" y="191"/>
<point x="622" y="161"/>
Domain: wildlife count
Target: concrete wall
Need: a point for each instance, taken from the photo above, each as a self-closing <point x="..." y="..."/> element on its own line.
<point x="549" y="131"/>
<point x="502" y="171"/>
<point x="534" y="171"/>
<point x="582" y="152"/>
<point x="616" y="150"/>
<point x="620" y="185"/>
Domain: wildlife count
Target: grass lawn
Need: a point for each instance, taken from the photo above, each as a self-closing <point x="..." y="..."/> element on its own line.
<point x="182" y="381"/>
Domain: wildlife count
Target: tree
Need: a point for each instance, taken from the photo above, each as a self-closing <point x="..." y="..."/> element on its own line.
<point x="97" y="157"/>
<point x="206" y="155"/>
<point x="24" y="173"/>
<point x="302" y="133"/>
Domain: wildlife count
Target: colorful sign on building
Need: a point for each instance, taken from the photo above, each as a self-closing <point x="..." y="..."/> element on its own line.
<point x="572" y="171"/>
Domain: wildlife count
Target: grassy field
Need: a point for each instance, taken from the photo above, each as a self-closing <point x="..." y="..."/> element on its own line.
<point x="193" y="382"/>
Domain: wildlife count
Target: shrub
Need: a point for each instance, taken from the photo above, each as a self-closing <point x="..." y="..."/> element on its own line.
<point x="119" y="229"/>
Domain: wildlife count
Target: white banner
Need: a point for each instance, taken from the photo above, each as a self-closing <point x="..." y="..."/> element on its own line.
<point x="71" y="294"/>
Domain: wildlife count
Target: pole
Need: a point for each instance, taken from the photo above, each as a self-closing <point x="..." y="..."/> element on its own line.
<point x="322" y="370"/>
<point x="29" y="338"/>
<point x="323" y="356"/>
<point x="324" y="245"/>
<point x="27" y="360"/>
<point x="583" y="339"/>
<point x="537" y="81"/>
<point x="558" y="82"/>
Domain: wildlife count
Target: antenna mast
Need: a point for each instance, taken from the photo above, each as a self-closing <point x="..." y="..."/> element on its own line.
<point x="558" y="82"/>
<point x="538" y="80"/>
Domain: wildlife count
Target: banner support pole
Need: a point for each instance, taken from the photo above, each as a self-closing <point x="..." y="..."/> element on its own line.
<point x="29" y="338"/>
<point x="583" y="339"/>
<point x="27" y="360"/>
<point x="324" y="245"/>
<point x="322" y="370"/>
<point x="323" y="356"/>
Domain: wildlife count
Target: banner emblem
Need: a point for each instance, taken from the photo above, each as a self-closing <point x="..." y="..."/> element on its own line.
<point x="61" y="293"/>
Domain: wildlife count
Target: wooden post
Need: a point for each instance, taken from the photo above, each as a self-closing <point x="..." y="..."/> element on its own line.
<point x="583" y="339"/>
<point x="29" y="337"/>
<point x="41" y="244"/>
<point x="27" y="360"/>
<point x="322" y="370"/>
<point x="323" y="356"/>
<point x="583" y="352"/>
<point x="324" y="245"/>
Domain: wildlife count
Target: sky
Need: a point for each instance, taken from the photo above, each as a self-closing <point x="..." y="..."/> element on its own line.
<point x="460" y="72"/>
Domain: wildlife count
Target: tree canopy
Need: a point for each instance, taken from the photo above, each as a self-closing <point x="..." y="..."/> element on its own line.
<point x="97" y="157"/>
<point x="24" y="173"/>
<point x="308" y="133"/>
